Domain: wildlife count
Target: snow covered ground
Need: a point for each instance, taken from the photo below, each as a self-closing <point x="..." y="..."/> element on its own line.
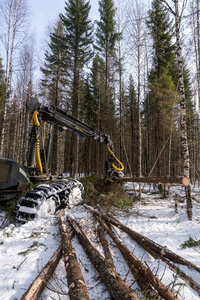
<point x="25" y="249"/>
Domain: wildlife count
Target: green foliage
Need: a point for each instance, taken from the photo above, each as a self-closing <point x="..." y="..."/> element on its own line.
<point x="99" y="194"/>
<point x="36" y="234"/>
<point x="32" y="248"/>
<point x="2" y="92"/>
<point x="78" y="28"/>
<point x="175" y="286"/>
<point x="106" y="27"/>
<point x="162" y="33"/>
<point x="190" y="243"/>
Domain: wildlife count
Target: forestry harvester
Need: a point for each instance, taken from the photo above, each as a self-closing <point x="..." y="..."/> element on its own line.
<point x="48" y="197"/>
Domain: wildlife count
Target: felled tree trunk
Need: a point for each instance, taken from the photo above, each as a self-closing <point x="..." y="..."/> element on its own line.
<point x="144" y="271"/>
<point x="76" y="283"/>
<point x="117" y="287"/>
<point x="159" y="180"/>
<point x="145" y="242"/>
<point x="105" y="246"/>
<point x="148" y="244"/>
<point x="143" y="284"/>
<point x="39" y="283"/>
<point x="195" y="286"/>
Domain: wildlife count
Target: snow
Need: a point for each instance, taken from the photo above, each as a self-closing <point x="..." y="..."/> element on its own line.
<point x="25" y="249"/>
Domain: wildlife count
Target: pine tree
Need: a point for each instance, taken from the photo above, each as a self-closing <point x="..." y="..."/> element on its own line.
<point x="2" y="85"/>
<point x="98" y="93"/>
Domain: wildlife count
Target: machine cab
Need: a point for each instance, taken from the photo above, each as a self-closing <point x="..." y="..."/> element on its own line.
<point x="13" y="178"/>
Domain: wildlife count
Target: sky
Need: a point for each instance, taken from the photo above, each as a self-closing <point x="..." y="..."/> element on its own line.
<point x="46" y="12"/>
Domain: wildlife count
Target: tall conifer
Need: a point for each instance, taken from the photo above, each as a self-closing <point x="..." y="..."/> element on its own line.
<point x="159" y="110"/>
<point x="77" y="42"/>
<point x="54" y="81"/>
<point x="106" y="38"/>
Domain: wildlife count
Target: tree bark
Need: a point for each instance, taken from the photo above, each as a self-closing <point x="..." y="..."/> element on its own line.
<point x="145" y="242"/>
<point x="117" y="287"/>
<point x="76" y="283"/>
<point x="160" y="180"/>
<point x="105" y="246"/>
<point x="184" y="141"/>
<point x="143" y="284"/>
<point x="39" y="283"/>
<point x="146" y="273"/>
<point x="195" y="286"/>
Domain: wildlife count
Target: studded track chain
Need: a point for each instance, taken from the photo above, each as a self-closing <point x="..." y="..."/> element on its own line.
<point x="47" y="199"/>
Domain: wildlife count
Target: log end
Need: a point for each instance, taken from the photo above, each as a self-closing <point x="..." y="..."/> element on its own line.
<point x="185" y="181"/>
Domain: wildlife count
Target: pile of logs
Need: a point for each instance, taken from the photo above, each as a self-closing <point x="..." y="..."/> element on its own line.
<point x="149" y="284"/>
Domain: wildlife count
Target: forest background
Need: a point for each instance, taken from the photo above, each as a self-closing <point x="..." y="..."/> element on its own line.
<point x="121" y="74"/>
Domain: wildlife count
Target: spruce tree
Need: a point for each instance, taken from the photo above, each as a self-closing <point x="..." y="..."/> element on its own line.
<point x="77" y="43"/>
<point x="160" y="99"/>
<point x="54" y="82"/>
<point x="130" y="124"/>
<point x="161" y="30"/>
<point x="106" y="38"/>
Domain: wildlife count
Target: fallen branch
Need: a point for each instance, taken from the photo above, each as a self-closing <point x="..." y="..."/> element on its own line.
<point x="195" y="286"/>
<point x="36" y="288"/>
<point x="76" y="283"/>
<point x="146" y="273"/>
<point x="117" y="287"/>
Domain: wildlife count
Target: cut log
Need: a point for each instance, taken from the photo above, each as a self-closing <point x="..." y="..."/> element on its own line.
<point x="36" y="288"/>
<point x="147" y="274"/>
<point x="117" y="287"/>
<point x="76" y="283"/>
<point x="159" y="180"/>
<point x="105" y="246"/>
<point x="145" y="242"/>
<point x="142" y="283"/>
<point x="148" y="245"/>
<point x="195" y="286"/>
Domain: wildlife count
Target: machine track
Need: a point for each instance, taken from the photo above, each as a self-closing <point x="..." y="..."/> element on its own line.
<point x="48" y="198"/>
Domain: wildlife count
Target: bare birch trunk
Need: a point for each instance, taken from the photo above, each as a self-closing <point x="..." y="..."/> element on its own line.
<point x="198" y="50"/>
<point x="15" y="14"/>
<point x="184" y="142"/>
<point x="139" y="133"/>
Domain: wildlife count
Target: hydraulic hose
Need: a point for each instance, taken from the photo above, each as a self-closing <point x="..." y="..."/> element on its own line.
<point x="35" y="121"/>
<point x="117" y="160"/>
<point x="38" y="158"/>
